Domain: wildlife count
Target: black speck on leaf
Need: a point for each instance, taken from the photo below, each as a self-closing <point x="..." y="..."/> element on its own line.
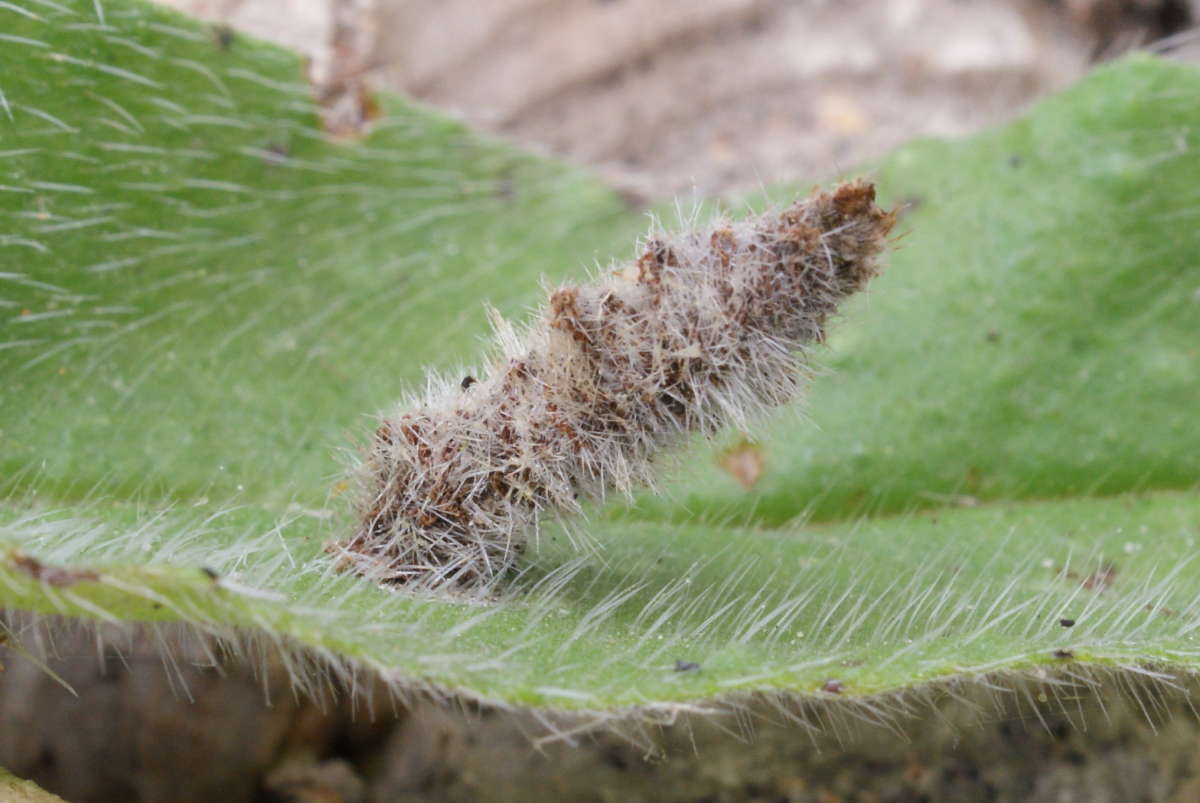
<point x="276" y="153"/>
<point x="224" y="36"/>
<point x="687" y="666"/>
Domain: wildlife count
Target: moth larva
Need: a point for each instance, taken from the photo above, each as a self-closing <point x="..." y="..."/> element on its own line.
<point x="705" y="329"/>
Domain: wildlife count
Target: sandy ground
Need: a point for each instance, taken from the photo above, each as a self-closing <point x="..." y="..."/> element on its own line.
<point x="667" y="96"/>
<point x="203" y="728"/>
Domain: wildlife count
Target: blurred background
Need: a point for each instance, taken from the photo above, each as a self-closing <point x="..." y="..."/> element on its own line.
<point x="667" y="96"/>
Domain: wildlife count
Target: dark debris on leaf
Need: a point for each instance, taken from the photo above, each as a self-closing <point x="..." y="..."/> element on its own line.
<point x="52" y="575"/>
<point x="1098" y="580"/>
<point x="687" y="666"/>
<point x="223" y="36"/>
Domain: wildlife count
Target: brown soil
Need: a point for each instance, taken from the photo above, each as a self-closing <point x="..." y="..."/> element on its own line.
<point x="203" y="727"/>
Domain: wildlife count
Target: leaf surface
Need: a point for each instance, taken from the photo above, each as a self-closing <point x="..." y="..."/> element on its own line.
<point x="203" y="301"/>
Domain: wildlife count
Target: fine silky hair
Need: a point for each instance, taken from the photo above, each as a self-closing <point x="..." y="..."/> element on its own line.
<point x="706" y="329"/>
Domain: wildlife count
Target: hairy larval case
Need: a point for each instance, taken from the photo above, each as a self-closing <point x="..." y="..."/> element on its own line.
<point x="706" y="329"/>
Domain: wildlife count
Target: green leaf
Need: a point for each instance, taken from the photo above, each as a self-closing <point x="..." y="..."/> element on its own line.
<point x="203" y="301"/>
<point x="16" y="790"/>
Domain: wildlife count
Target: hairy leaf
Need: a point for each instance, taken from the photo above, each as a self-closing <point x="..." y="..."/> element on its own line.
<point x="203" y="301"/>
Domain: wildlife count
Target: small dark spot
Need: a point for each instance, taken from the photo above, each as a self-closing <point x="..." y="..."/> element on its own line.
<point x="276" y="153"/>
<point x="1067" y="622"/>
<point x="1173" y="16"/>
<point x="224" y="36"/>
<point x="832" y="686"/>
<point x="1075" y="757"/>
<point x="1161" y="610"/>
<point x="687" y="666"/>
<point x="993" y="335"/>
<point x="615" y="757"/>
<point x="468" y="381"/>
<point x="1097" y="581"/>
<point x="506" y="188"/>
<point x="909" y="204"/>
<point x="52" y="575"/>
<point x="1015" y="161"/>
<point x="111" y="665"/>
<point x="1063" y="654"/>
<point x="210" y="573"/>
<point x="633" y="198"/>
<point x="45" y="762"/>
<point x="1100" y="579"/>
